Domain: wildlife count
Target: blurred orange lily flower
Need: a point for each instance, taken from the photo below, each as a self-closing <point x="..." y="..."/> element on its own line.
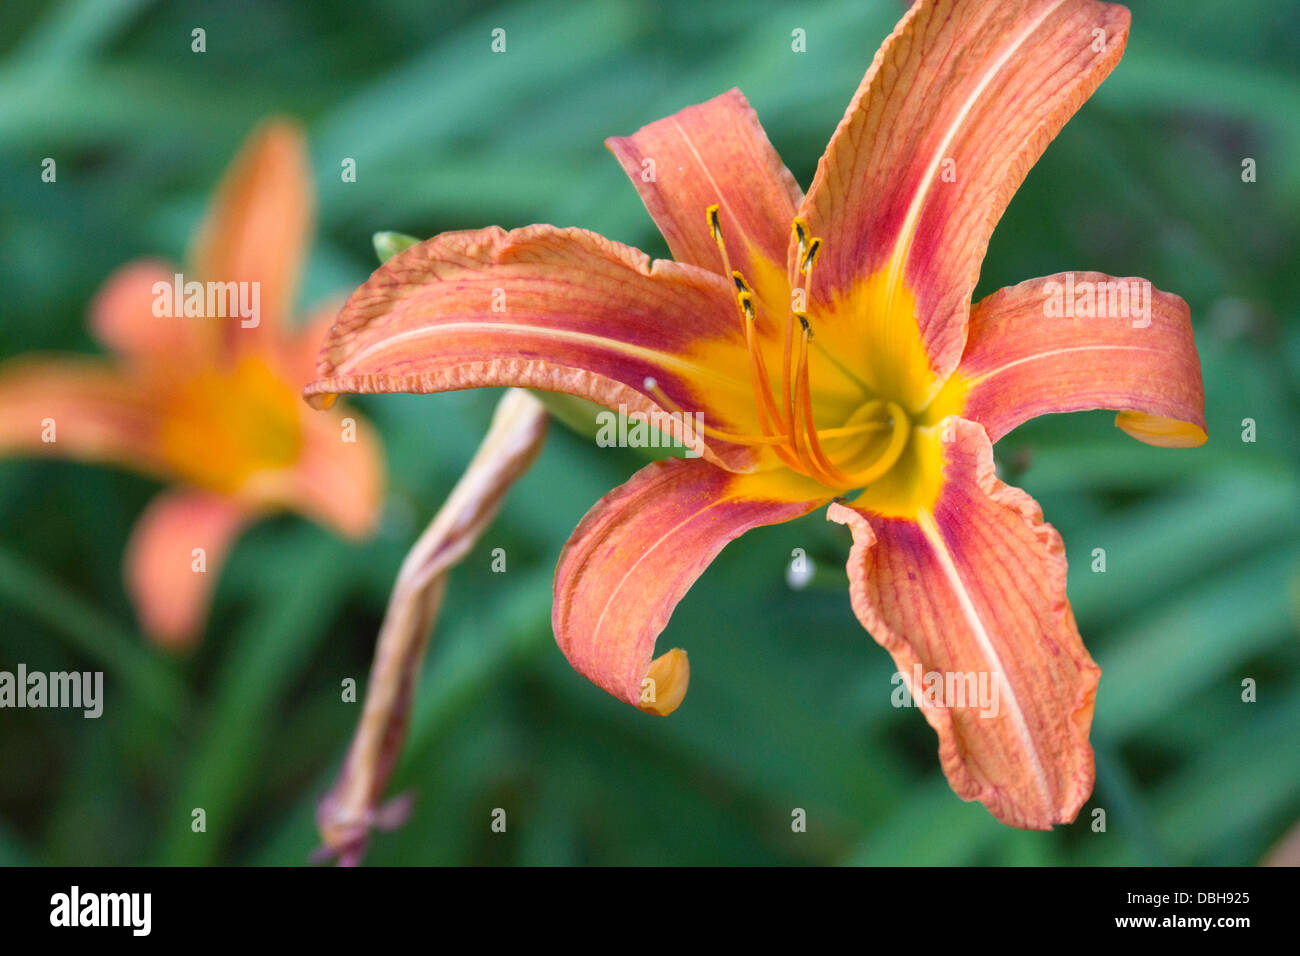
<point x="202" y="393"/>
<point x="831" y="344"/>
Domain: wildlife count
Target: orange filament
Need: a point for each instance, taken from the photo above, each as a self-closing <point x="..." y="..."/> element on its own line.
<point x="769" y="416"/>
<point x="787" y="425"/>
<point x="758" y="367"/>
<point x="801" y="234"/>
<point x="745" y="302"/>
<point x="814" y="449"/>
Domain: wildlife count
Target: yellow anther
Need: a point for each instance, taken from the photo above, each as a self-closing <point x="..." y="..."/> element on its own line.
<point x="746" y="300"/>
<point x="715" y="223"/>
<point x="741" y="284"/>
<point x="806" y="263"/>
<point x="801" y="234"/>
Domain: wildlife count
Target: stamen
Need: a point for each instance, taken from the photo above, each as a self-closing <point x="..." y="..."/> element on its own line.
<point x="788" y="426"/>
<point x="804" y="257"/>
<point x="715" y="225"/>
<point x="806" y="262"/>
<point x="796" y="442"/>
<point x="787" y="356"/>
<point x="769" y="415"/>
<point x="715" y="230"/>
<point x="814" y="448"/>
<point x="746" y="300"/>
<point x="801" y="234"/>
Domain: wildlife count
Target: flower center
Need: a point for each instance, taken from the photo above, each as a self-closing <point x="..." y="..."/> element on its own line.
<point x="848" y="456"/>
<point x="224" y="425"/>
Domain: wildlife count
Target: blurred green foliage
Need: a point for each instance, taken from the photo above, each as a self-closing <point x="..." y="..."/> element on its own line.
<point x="789" y="705"/>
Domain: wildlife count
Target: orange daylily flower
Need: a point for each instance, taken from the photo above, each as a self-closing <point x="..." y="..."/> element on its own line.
<point x="208" y="404"/>
<point x="830" y="342"/>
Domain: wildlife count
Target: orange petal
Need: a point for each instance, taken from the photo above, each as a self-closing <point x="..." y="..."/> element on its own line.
<point x="259" y="224"/>
<point x="70" y="406"/>
<point x="1024" y="358"/>
<point x="958" y="105"/>
<point x="122" y="317"/>
<point x="561" y="310"/>
<point x="173" y="560"/>
<point x="715" y="152"/>
<point x="339" y="476"/>
<point x="639" y="550"/>
<point x="971" y="597"/>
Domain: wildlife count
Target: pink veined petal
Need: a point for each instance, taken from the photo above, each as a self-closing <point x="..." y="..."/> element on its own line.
<point x="1122" y="345"/>
<point x="556" y="309"/>
<point x="958" y="105"/>
<point x="639" y="550"/>
<point x="971" y="596"/>
<point x="713" y="153"/>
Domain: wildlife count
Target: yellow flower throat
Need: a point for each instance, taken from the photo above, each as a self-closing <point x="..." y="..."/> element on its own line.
<point x="851" y="455"/>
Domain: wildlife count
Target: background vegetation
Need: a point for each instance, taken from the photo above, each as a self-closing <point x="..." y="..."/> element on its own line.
<point x="789" y="705"/>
